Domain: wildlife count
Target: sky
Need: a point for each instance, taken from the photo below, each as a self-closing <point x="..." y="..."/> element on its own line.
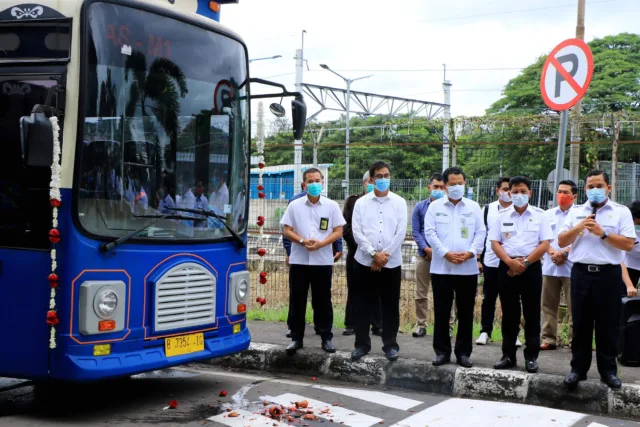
<point x="361" y="37"/>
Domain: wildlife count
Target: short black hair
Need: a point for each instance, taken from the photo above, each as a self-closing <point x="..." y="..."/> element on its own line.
<point x="311" y="170"/>
<point x="516" y="180"/>
<point x="598" y="172"/>
<point x="377" y="166"/>
<point x="502" y="180"/>
<point x="574" y="187"/>
<point x="435" y="177"/>
<point x="634" y="207"/>
<point x="452" y="171"/>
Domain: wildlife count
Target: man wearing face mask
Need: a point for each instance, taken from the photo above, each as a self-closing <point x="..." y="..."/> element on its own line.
<point x="455" y="230"/>
<point x="556" y="268"/>
<point x="379" y="228"/>
<point x="490" y="263"/>
<point x="347" y="213"/>
<point x="520" y="237"/>
<point x="313" y="223"/>
<point x="423" y="260"/>
<point x="600" y="233"/>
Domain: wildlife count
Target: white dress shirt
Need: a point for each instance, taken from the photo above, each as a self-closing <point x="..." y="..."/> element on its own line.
<point x="591" y="249"/>
<point x="490" y="258"/>
<point x="311" y="221"/>
<point x="520" y="234"/>
<point x="633" y="257"/>
<point x="380" y="224"/>
<point x="556" y="217"/>
<point x="454" y="228"/>
<point x="219" y="198"/>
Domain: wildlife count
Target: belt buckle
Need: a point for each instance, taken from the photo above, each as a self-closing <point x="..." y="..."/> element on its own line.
<point x="593" y="269"/>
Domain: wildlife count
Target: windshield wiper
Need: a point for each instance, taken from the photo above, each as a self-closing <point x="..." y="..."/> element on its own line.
<point x="106" y="247"/>
<point x="207" y="213"/>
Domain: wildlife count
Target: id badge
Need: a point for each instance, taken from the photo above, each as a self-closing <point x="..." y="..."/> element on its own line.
<point x="324" y="224"/>
<point x="464" y="232"/>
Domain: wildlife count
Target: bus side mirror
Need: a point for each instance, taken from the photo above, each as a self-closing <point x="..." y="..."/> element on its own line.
<point x="36" y="137"/>
<point x="299" y="117"/>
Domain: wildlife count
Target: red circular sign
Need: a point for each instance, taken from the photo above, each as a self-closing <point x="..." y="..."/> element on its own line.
<point x="222" y="96"/>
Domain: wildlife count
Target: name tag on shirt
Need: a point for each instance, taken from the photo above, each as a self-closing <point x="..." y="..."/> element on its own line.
<point x="324" y="224"/>
<point x="464" y="232"/>
<point x="508" y="228"/>
<point x="581" y="217"/>
<point x="441" y="214"/>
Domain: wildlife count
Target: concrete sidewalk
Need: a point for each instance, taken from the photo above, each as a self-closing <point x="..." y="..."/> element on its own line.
<point x="414" y="371"/>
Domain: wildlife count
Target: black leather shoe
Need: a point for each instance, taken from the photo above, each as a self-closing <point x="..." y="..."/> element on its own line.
<point x="531" y="366"/>
<point x="441" y="360"/>
<point x="293" y="347"/>
<point x="348" y="331"/>
<point x="289" y="333"/>
<point x="391" y="354"/>
<point x="376" y="331"/>
<point x="504" y="363"/>
<point x="571" y="381"/>
<point x="358" y="354"/>
<point x="465" y="362"/>
<point x="612" y="381"/>
<point x="328" y="347"/>
<point x="420" y="332"/>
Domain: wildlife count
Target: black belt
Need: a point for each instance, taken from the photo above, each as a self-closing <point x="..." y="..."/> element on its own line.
<point x="594" y="268"/>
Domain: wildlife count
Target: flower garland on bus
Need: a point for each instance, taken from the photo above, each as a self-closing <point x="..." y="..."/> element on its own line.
<point x="261" y="211"/>
<point x="54" y="234"/>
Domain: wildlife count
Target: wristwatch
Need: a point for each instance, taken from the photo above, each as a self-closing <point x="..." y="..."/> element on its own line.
<point x="605" y="235"/>
<point x="301" y="241"/>
<point x="565" y="254"/>
<point x="373" y="253"/>
<point x="526" y="263"/>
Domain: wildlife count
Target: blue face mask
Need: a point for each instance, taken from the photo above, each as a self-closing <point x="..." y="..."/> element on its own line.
<point x="437" y="194"/>
<point x="597" y="195"/>
<point x="456" y="191"/>
<point x="520" y="200"/>
<point x="370" y="188"/>
<point x="314" y="189"/>
<point x="383" y="184"/>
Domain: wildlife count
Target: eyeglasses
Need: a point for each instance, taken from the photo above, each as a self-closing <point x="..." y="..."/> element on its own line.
<point x="385" y="176"/>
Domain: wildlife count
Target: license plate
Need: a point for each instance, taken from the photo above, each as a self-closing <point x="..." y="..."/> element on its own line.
<point x="185" y="344"/>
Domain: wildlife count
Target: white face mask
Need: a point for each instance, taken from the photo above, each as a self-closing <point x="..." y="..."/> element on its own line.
<point x="505" y="197"/>
<point x="456" y="191"/>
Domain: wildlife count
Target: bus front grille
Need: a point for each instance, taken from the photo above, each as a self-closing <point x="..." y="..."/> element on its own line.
<point x="185" y="297"/>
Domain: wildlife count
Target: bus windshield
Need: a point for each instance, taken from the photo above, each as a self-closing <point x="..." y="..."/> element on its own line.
<point x="165" y="126"/>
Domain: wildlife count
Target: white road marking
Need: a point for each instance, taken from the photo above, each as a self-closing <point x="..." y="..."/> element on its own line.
<point x="246" y="418"/>
<point x="464" y="412"/>
<point x="336" y="413"/>
<point x="253" y="378"/>
<point x="377" y="397"/>
<point x="596" y="425"/>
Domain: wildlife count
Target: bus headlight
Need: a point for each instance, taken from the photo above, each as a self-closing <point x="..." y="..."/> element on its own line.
<point x="242" y="290"/>
<point x="106" y="303"/>
<point x="239" y="291"/>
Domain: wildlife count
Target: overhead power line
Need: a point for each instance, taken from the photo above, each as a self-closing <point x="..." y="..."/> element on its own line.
<point x="424" y="70"/>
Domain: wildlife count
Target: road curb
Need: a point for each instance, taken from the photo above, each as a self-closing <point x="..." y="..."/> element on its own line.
<point x="591" y="396"/>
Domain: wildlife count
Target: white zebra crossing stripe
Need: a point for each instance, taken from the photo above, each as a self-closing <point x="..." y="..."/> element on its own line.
<point x="246" y="418"/>
<point x="379" y="398"/>
<point x="462" y="412"/>
<point x="336" y="414"/>
<point x="596" y="425"/>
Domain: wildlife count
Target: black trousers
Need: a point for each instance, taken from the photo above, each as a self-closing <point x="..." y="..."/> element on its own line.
<point x="349" y="316"/>
<point x="319" y="277"/>
<point x="444" y="288"/>
<point x="526" y="289"/>
<point x="634" y="275"/>
<point x="490" y="296"/>
<point x="369" y="288"/>
<point x="595" y="298"/>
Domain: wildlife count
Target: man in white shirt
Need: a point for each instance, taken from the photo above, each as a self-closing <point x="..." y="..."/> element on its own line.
<point x="490" y="263"/>
<point x="312" y="223"/>
<point x="600" y="233"/>
<point x="455" y="230"/>
<point x="219" y="197"/>
<point x="556" y="268"/>
<point x="520" y="237"/>
<point x="633" y="258"/>
<point x="379" y="226"/>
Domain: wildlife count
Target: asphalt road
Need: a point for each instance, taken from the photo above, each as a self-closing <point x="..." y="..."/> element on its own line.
<point x="144" y="400"/>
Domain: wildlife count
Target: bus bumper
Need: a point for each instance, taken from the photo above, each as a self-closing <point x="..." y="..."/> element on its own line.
<point x="77" y="368"/>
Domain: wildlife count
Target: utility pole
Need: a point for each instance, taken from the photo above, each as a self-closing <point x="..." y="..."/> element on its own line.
<point x="574" y="157"/>
<point x="316" y="143"/>
<point x="297" y="149"/>
<point x="446" y="85"/>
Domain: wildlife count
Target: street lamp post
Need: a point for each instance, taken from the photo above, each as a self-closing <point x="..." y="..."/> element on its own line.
<point x="348" y="111"/>
<point x="266" y="57"/>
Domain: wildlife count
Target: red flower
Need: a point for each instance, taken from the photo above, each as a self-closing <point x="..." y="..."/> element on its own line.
<point x="223" y="393"/>
<point x="52" y="318"/>
<point x="260" y="218"/>
<point x="262" y="251"/>
<point x="263" y="280"/>
<point x="261" y="165"/>
<point x="260" y="187"/>
<point x="54" y="236"/>
<point x="173" y="404"/>
<point x="258" y="299"/>
<point x="55" y="203"/>
<point x="263" y="274"/>
<point x="263" y="302"/>
<point x="260" y="223"/>
<point x="53" y="280"/>
<point x="262" y="195"/>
